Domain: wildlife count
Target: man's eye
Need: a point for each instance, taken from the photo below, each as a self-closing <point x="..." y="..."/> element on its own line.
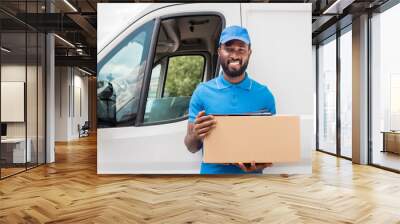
<point x="239" y="50"/>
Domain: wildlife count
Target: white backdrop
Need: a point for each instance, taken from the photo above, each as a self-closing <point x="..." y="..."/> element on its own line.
<point x="281" y="59"/>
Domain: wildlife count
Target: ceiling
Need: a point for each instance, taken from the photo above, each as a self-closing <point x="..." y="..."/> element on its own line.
<point x="76" y="21"/>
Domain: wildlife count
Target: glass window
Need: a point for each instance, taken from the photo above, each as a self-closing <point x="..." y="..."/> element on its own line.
<point x="22" y="91"/>
<point x="346" y="94"/>
<point x="120" y="79"/>
<point x="385" y="88"/>
<point x="154" y="88"/>
<point x="327" y="96"/>
<point x="15" y="147"/>
<point x="395" y="101"/>
<point x="170" y="101"/>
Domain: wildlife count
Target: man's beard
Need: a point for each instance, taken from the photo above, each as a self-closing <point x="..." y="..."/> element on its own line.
<point x="232" y="72"/>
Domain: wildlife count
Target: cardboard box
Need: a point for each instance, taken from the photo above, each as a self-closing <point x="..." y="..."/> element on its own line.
<point x="253" y="138"/>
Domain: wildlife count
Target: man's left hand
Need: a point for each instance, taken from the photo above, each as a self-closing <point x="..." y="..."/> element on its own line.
<point x="254" y="166"/>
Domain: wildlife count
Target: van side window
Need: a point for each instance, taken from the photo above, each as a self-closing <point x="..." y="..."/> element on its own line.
<point x="169" y="97"/>
<point x="120" y="78"/>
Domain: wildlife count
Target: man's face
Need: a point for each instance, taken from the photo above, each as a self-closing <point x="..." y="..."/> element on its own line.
<point x="234" y="57"/>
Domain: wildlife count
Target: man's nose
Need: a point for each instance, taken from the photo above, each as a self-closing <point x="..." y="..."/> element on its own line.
<point x="235" y="55"/>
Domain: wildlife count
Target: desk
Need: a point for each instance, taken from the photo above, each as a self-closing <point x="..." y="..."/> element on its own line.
<point x="391" y="141"/>
<point x="15" y="148"/>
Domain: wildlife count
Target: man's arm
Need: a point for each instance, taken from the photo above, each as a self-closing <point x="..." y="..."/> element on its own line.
<point x="198" y="130"/>
<point x="192" y="143"/>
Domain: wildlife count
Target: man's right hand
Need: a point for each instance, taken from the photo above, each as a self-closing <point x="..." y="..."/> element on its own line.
<point x="203" y="124"/>
<point x="198" y="130"/>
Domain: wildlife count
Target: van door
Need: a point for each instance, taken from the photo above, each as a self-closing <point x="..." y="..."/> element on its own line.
<point x="144" y="87"/>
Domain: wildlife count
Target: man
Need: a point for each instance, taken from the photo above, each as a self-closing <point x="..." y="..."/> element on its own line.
<point x="233" y="91"/>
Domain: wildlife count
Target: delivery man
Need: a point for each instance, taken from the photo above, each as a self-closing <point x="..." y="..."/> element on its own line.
<point x="233" y="91"/>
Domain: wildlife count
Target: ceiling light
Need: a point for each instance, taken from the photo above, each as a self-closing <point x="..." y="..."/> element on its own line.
<point x="65" y="41"/>
<point x="338" y="6"/>
<point x="5" y="50"/>
<point x="79" y="51"/>
<point x="70" y="5"/>
<point x="84" y="71"/>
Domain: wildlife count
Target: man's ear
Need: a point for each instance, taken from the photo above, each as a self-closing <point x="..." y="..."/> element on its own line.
<point x="219" y="50"/>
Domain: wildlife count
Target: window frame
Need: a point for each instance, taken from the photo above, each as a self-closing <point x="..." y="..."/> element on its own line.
<point x="370" y="150"/>
<point x="206" y="63"/>
<point x="118" y="46"/>
<point x="39" y="48"/>
<point x="334" y="37"/>
<point x="345" y="30"/>
<point x="147" y="76"/>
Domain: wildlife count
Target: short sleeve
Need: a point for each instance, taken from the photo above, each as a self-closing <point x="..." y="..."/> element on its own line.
<point x="195" y="105"/>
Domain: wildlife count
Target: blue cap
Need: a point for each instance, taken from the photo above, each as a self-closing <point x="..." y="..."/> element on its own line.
<point x="234" y="33"/>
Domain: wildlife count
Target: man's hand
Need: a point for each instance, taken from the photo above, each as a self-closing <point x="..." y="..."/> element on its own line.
<point x="202" y="125"/>
<point x="198" y="130"/>
<point x="253" y="166"/>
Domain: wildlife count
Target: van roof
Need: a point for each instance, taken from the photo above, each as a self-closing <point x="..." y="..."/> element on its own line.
<point x="150" y="8"/>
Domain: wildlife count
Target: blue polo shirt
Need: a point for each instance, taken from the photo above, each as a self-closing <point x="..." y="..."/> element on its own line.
<point x="219" y="96"/>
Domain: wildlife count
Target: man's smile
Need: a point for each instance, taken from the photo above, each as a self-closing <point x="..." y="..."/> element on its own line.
<point x="235" y="64"/>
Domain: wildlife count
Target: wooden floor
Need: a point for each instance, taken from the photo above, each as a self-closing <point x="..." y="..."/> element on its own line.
<point x="70" y="191"/>
<point x="5" y="172"/>
<point x="387" y="159"/>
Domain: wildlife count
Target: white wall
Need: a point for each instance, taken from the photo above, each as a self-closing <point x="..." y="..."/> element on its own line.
<point x="33" y="125"/>
<point x="69" y="81"/>
<point x="282" y="59"/>
<point x="79" y="117"/>
<point x="12" y="101"/>
<point x="14" y="72"/>
<point x="61" y="103"/>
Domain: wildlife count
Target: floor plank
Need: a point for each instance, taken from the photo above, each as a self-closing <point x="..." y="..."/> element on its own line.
<point x="70" y="191"/>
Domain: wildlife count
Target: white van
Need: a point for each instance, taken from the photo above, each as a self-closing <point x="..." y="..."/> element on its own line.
<point x="148" y="71"/>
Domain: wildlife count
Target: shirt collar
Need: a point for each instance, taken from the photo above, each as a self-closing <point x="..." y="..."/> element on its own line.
<point x="222" y="83"/>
